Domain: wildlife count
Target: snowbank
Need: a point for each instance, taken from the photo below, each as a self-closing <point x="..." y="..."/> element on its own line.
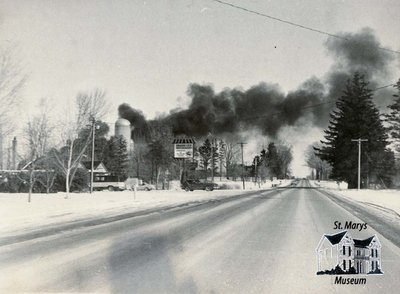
<point x="329" y="184"/>
<point x="384" y="199"/>
<point x="49" y="209"/>
<point x="229" y="185"/>
<point x="389" y="199"/>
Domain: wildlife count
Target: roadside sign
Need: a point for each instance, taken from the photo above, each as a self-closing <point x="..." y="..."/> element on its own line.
<point x="183" y="148"/>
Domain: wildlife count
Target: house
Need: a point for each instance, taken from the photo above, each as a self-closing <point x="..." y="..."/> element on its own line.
<point x="342" y="250"/>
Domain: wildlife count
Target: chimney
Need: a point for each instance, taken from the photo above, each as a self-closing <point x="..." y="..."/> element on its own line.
<point x="14" y="154"/>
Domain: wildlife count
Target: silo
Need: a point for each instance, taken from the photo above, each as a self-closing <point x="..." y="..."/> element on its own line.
<point x="123" y="128"/>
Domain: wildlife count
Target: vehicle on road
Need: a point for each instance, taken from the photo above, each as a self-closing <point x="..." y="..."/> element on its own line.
<point x="190" y="185"/>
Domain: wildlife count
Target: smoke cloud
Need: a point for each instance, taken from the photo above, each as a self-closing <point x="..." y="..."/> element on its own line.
<point x="136" y="118"/>
<point x="265" y="107"/>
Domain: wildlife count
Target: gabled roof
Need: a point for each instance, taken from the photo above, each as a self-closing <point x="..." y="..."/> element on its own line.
<point x="363" y="243"/>
<point x="336" y="238"/>
<point x="88" y="164"/>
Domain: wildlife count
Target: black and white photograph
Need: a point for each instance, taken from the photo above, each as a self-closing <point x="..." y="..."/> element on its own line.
<point x="199" y="146"/>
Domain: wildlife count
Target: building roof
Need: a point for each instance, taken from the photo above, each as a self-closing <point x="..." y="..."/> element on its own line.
<point x="336" y="238"/>
<point x="88" y="164"/>
<point x="363" y="243"/>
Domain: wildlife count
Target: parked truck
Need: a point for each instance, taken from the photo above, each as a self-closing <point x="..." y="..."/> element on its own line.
<point x="111" y="183"/>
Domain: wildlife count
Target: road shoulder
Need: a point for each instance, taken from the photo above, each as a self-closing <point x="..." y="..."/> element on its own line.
<point x="382" y="219"/>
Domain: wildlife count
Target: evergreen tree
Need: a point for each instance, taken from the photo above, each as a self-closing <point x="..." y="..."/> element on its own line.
<point x="221" y="156"/>
<point x="159" y="157"/>
<point x="215" y="153"/>
<point x="393" y="117"/>
<point x="209" y="155"/>
<point x="116" y="158"/>
<point x="255" y="166"/>
<point x="263" y="169"/>
<point x="273" y="160"/>
<point x="205" y="154"/>
<point x="356" y="117"/>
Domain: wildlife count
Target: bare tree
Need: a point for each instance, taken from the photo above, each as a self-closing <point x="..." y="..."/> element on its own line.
<point x="231" y="153"/>
<point x="12" y="81"/>
<point x="90" y="107"/>
<point x="38" y="132"/>
<point x="285" y="157"/>
<point x="321" y="167"/>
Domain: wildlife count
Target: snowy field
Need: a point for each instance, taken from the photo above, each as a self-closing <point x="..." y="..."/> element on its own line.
<point x="50" y="209"/>
<point x="387" y="199"/>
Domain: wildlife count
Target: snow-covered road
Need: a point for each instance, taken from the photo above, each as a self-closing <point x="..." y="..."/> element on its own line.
<point x="260" y="243"/>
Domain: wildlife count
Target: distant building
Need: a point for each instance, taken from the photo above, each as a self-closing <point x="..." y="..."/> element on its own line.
<point x="341" y="249"/>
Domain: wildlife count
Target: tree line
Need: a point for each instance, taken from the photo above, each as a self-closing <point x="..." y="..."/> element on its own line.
<point x="56" y="149"/>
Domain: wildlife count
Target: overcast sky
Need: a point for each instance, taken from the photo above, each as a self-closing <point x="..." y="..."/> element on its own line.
<point x="145" y="53"/>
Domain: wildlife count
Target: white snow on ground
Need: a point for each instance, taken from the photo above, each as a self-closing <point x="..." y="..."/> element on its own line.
<point x="389" y="199"/>
<point x="18" y="215"/>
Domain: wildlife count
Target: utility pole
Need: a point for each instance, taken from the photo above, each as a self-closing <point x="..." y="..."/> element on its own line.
<point x="220" y="167"/>
<point x="359" y="159"/>
<point x="255" y="171"/>
<point x="212" y="159"/>
<point x="241" y="146"/>
<point x="92" y="166"/>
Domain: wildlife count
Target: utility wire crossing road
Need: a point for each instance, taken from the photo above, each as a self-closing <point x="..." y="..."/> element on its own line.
<point x="260" y="243"/>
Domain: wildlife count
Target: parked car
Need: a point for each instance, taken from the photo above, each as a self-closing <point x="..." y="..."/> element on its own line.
<point x="190" y="185"/>
<point x="139" y="183"/>
<point x="145" y="187"/>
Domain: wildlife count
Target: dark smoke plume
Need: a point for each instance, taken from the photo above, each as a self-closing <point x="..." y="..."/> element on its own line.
<point x="362" y="53"/>
<point x="137" y="120"/>
<point x="265" y="107"/>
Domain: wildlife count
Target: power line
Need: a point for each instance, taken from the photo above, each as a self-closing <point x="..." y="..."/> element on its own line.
<point x="296" y="24"/>
<point x="383" y="87"/>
